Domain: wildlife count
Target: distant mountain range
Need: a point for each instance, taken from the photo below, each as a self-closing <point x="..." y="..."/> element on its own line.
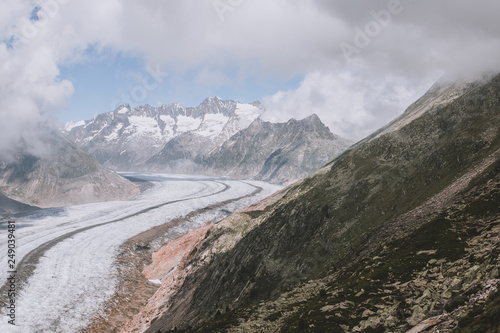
<point x="218" y="137"/>
<point x="126" y="138"/>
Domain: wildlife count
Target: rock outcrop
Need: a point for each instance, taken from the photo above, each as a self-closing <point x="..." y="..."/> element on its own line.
<point x="278" y="153"/>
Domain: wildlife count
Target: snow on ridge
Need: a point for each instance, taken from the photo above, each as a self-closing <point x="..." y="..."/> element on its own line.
<point x="186" y="123"/>
<point x="70" y="125"/>
<point x="123" y="110"/>
<point x="114" y="135"/>
<point x="141" y="126"/>
<point x="212" y="125"/>
<point x="246" y="113"/>
<point x="168" y="120"/>
<point x="143" y="129"/>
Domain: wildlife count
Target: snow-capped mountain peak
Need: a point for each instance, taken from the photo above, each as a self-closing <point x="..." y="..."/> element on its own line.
<point x="123" y="109"/>
<point x="127" y="136"/>
<point x="217" y="137"/>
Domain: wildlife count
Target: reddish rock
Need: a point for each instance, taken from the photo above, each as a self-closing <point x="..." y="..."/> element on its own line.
<point x="170" y="255"/>
<point x="169" y="266"/>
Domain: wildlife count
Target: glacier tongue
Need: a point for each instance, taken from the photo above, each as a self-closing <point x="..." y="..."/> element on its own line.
<point x="77" y="275"/>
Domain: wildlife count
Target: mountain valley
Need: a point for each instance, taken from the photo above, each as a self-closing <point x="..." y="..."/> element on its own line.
<point x="230" y="166"/>
<point x="398" y="233"/>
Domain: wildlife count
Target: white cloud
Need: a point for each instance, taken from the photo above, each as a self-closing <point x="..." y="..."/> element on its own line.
<point x="29" y="92"/>
<point x="351" y="106"/>
<point x="281" y="38"/>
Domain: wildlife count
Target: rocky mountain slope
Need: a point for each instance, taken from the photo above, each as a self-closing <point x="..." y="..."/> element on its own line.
<point x="398" y="234"/>
<point x="273" y="152"/>
<point x="10" y="207"/>
<point x="63" y="176"/>
<point x="218" y="137"/>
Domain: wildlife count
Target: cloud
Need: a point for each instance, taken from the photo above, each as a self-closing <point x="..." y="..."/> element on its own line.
<point x="422" y="36"/>
<point x="282" y="39"/>
<point x="214" y="77"/>
<point x="352" y="106"/>
<point x="260" y="37"/>
<point x="391" y="54"/>
<point x="30" y="90"/>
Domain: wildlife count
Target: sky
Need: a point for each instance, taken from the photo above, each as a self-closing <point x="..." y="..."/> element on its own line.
<point x="356" y="64"/>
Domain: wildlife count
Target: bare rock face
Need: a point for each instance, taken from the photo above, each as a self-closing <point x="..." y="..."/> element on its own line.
<point x="278" y="153"/>
<point x="65" y="175"/>
<point x="172" y="254"/>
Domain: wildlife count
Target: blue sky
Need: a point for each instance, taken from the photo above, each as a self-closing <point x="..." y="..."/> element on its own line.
<point x="103" y="81"/>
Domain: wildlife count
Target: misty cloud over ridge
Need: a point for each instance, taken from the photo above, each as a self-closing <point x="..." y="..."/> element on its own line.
<point x="396" y="58"/>
<point x="30" y="92"/>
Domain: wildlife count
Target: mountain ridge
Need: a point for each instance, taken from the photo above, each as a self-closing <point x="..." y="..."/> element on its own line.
<point x="126" y="137"/>
<point x="288" y="151"/>
<point x="200" y="140"/>
<point x="9" y="207"/>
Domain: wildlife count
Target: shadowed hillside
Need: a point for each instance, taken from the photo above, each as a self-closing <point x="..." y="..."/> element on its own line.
<point x="402" y="227"/>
